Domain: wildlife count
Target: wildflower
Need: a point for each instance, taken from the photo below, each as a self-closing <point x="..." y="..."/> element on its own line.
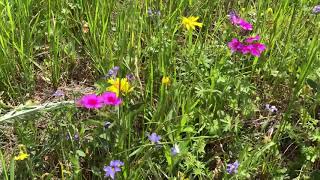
<point x="235" y="45"/>
<point x="271" y="109"/>
<point x="236" y="20"/>
<point x="113" y="168"/>
<point x="67" y="137"/>
<point x="191" y="22"/>
<point x="270" y="11"/>
<point x="175" y="150"/>
<point x="316" y="9"/>
<point x="91" y="101"/>
<point x="118" y="86"/>
<point x="116" y="163"/>
<point x="165" y="80"/>
<point x="113" y="72"/>
<point x="76" y="137"/>
<point x="110" y="98"/>
<point x="154" y="138"/>
<point x="254" y="49"/>
<point x="232" y="167"/>
<point x="58" y="93"/>
<point x="22" y="153"/>
<point x="130" y="77"/>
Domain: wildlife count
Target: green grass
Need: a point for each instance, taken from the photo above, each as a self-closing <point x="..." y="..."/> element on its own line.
<point x="214" y="108"/>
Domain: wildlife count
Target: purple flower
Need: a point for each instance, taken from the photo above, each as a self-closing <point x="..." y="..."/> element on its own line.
<point x="316" y="9"/>
<point x="154" y="138"/>
<point x="68" y="137"/>
<point x="76" y="137"/>
<point x="130" y="77"/>
<point x="111" y="171"/>
<point x="113" y="72"/>
<point x="175" y="150"/>
<point x="116" y="163"/>
<point x="113" y="168"/>
<point x="232" y="167"/>
<point x="58" y="93"/>
<point x="271" y="109"/>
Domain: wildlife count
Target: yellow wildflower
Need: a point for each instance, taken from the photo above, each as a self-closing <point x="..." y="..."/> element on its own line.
<point x="269" y="11"/>
<point x="22" y="154"/>
<point x="118" y="86"/>
<point x="191" y="22"/>
<point x="166" y="80"/>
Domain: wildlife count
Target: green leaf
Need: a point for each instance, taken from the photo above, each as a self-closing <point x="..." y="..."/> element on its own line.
<point x="81" y="153"/>
<point x="188" y="130"/>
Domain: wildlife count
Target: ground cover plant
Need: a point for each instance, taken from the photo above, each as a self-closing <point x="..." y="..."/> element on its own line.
<point x="160" y="89"/>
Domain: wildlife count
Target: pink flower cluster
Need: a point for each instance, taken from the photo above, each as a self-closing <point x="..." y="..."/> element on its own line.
<point x="93" y="101"/>
<point x="236" y="20"/>
<point x="249" y="46"/>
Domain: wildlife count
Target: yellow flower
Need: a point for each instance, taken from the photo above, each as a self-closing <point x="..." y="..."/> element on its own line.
<point x="165" y="80"/>
<point x="22" y="154"/>
<point x="191" y="22"/>
<point x="118" y="86"/>
<point x="269" y="11"/>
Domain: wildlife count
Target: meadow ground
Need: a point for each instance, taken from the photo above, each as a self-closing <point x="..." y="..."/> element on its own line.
<point x="159" y="89"/>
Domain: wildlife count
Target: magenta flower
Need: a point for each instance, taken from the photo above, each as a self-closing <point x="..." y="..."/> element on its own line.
<point x="110" y="98"/>
<point x="235" y="45"/>
<point x="90" y="101"/>
<point x="252" y="39"/>
<point x="237" y="21"/>
<point x="254" y="49"/>
<point x="245" y="25"/>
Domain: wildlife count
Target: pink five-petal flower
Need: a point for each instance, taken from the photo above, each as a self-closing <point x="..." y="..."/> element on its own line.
<point x="90" y="101"/>
<point x="252" y="39"/>
<point x="235" y="45"/>
<point x="110" y="98"/>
